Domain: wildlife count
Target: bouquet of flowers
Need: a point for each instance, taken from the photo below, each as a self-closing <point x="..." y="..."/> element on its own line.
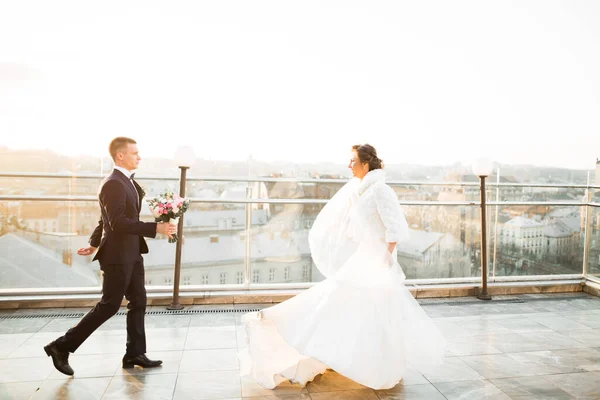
<point x="168" y="207"/>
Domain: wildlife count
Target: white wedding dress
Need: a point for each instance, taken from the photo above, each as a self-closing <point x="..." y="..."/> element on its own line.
<point x="361" y="321"/>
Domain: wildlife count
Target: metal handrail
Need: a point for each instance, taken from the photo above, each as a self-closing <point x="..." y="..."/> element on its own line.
<point x="292" y="180"/>
<point x="312" y="201"/>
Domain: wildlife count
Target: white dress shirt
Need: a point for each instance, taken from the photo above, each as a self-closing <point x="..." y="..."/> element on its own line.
<point x="128" y="174"/>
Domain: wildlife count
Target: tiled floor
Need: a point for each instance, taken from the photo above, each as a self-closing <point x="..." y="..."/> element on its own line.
<point x="545" y="347"/>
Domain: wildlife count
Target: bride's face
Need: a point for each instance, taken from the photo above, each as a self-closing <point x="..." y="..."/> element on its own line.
<point x="359" y="170"/>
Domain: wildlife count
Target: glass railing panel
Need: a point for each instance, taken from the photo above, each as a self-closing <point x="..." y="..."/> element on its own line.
<point x="279" y="244"/>
<point x="444" y="242"/>
<point x="537" y="240"/>
<point x="594" y="248"/>
<point x="213" y="248"/>
<point x="39" y="241"/>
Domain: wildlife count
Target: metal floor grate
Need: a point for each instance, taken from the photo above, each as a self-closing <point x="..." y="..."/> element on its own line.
<point x="161" y="312"/>
<point x="42" y="315"/>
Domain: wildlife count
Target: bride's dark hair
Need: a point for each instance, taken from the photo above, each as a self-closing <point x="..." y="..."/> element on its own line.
<point x="368" y="154"/>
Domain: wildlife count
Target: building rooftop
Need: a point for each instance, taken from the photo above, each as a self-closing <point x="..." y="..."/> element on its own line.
<point x="523" y="222"/>
<point x="28" y="264"/>
<point x="512" y="347"/>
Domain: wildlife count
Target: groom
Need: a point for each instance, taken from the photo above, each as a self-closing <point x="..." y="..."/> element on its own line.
<point x="119" y="238"/>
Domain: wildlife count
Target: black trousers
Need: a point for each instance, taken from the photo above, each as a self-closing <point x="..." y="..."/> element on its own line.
<point x="119" y="280"/>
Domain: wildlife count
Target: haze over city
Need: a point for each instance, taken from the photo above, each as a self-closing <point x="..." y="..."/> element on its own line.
<point x="429" y="83"/>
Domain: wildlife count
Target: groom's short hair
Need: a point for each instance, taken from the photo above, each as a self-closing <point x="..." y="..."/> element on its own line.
<point x="119" y="144"/>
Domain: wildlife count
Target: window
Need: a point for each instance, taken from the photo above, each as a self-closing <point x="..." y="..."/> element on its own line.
<point x="168" y="281"/>
<point x="286" y="273"/>
<point x="148" y="282"/>
<point x="223" y="278"/>
<point x="187" y="280"/>
<point x="255" y="276"/>
<point x="205" y="279"/>
<point x="271" y="274"/>
<point x="305" y="271"/>
<point x="239" y="277"/>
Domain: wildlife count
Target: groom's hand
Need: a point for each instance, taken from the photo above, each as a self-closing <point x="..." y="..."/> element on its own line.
<point x="86" y="251"/>
<point x="166" y="229"/>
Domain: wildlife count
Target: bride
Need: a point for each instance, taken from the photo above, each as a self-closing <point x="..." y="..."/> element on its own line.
<point x="361" y="321"/>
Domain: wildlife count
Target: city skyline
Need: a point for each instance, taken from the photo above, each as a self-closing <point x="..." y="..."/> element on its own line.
<point x="429" y="84"/>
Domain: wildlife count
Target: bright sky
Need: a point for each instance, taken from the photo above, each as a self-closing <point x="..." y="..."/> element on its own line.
<point x="430" y="82"/>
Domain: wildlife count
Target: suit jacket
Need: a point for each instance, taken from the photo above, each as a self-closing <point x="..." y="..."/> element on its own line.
<point x="119" y="235"/>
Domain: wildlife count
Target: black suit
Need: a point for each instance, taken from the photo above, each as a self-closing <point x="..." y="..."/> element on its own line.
<point x="119" y="237"/>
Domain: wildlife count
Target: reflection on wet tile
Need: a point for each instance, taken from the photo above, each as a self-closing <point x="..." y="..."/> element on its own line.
<point x="531" y="341"/>
<point x="166" y="339"/>
<point x="167" y="321"/>
<point x="471" y="345"/>
<point x="331" y="381"/>
<point x="479" y="327"/>
<point x="559" y="323"/>
<point x="471" y="390"/>
<point x="414" y="392"/>
<point x="60" y="325"/>
<point x="451" y="329"/>
<point x="25" y="369"/>
<point x="533" y="387"/>
<point x="171" y="362"/>
<point x="209" y="360"/>
<point x="75" y="389"/>
<point x="217" y="319"/>
<point x="208" y="385"/>
<point x="252" y="389"/>
<point x="587" y="319"/>
<point x="546" y="362"/>
<point x="153" y="387"/>
<point x="587" y="359"/>
<point x="90" y="365"/>
<point x="453" y="369"/>
<point x="498" y="366"/>
<point x="10" y="342"/>
<point x="26" y="325"/>
<point x="587" y="337"/>
<point x="211" y="338"/>
<point x="367" y="394"/>
<point x="519" y="325"/>
<point x="34" y="346"/>
<point x="19" y="390"/>
<point x="553" y="340"/>
<point x="584" y="385"/>
<point x="303" y="396"/>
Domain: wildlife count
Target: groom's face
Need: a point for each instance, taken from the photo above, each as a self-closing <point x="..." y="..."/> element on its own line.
<point x="130" y="157"/>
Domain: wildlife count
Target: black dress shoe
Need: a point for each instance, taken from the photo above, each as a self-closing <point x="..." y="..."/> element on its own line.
<point x="59" y="358"/>
<point x="141" y="360"/>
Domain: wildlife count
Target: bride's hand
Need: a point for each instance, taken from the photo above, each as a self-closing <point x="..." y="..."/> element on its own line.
<point x="389" y="259"/>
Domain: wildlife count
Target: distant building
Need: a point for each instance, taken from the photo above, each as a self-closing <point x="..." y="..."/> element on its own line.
<point x="522" y="234"/>
<point x="31" y="265"/>
<point x="428" y="255"/>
